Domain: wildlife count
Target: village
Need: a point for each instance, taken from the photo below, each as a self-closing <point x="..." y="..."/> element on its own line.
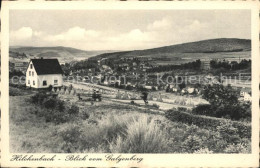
<point x="129" y="76"/>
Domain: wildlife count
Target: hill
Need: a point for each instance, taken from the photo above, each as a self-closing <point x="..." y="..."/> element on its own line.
<point x="211" y="46"/>
<point x="65" y="54"/>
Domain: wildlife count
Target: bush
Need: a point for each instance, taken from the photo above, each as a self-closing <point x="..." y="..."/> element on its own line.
<point x="85" y="115"/>
<point x="73" y="110"/>
<point x="54" y="108"/>
<point x="156" y="106"/>
<point x="192" y="143"/>
<point x="202" y="109"/>
<point x="203" y="151"/>
<point x="70" y="135"/>
<point x="243" y="129"/>
<point x="223" y="103"/>
<point x="240" y="111"/>
<point x="237" y="148"/>
<point x="228" y="132"/>
<point x="38" y="97"/>
<point x="142" y="136"/>
<point x="129" y="87"/>
<point x="49" y="103"/>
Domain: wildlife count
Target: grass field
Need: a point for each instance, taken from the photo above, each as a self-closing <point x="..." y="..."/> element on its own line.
<point x="113" y="127"/>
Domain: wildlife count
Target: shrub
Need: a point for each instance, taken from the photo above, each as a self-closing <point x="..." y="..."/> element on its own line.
<point x="54" y="108"/>
<point x="73" y="110"/>
<point x="223" y="103"/>
<point x="85" y="115"/>
<point x="38" y="97"/>
<point x="142" y="136"/>
<point x="49" y="103"/>
<point x="243" y="129"/>
<point x="192" y="143"/>
<point x="238" y="148"/>
<point x="60" y="105"/>
<point x="129" y="87"/>
<point x="202" y="109"/>
<point x="156" y="106"/>
<point x="70" y="135"/>
<point x="228" y="132"/>
<point x="203" y="151"/>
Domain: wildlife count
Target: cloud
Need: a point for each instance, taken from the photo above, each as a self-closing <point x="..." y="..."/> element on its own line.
<point x="164" y="23"/>
<point x="73" y="34"/>
<point x="22" y="33"/>
<point x="164" y="31"/>
<point x="157" y="33"/>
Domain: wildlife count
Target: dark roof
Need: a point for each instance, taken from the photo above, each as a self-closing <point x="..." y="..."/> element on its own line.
<point x="47" y="66"/>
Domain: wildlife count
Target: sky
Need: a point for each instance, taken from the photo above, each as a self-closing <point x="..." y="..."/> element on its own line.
<point x="124" y="29"/>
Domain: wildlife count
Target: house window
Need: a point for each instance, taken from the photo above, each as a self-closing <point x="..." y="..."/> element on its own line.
<point x="28" y="82"/>
<point x="55" y="82"/>
<point x="31" y="66"/>
<point x="29" y="73"/>
<point x="33" y="82"/>
<point x="32" y="73"/>
<point x="44" y="83"/>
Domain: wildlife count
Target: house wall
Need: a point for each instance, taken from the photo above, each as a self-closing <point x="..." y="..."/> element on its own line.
<point x="31" y="77"/>
<point x="50" y="80"/>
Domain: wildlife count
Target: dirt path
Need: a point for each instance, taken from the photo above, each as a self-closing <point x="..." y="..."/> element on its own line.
<point x="162" y="105"/>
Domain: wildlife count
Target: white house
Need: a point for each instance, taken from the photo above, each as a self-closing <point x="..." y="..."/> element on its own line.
<point x="247" y="97"/>
<point x="244" y="91"/>
<point x="41" y="73"/>
<point x="190" y="90"/>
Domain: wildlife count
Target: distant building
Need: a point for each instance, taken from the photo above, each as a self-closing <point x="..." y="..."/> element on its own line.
<point x="205" y="64"/>
<point x="20" y="66"/>
<point x="41" y="73"/>
<point x="244" y="91"/>
<point x="247" y="97"/>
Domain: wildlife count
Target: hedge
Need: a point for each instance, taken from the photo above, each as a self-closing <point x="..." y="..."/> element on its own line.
<point x="244" y="129"/>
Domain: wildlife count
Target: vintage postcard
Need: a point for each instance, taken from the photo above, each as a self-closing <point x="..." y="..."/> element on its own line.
<point x="130" y="84"/>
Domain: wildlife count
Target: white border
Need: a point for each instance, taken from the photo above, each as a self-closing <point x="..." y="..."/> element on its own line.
<point x="150" y="160"/>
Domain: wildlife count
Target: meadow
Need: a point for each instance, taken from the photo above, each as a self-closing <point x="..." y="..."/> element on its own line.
<point x="112" y="127"/>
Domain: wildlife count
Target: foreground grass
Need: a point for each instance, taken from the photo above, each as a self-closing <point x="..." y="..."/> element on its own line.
<point x="113" y="127"/>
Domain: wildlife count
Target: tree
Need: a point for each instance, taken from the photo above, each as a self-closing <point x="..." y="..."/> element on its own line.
<point x="182" y="85"/>
<point x="224" y="103"/>
<point x="218" y="95"/>
<point x="168" y="88"/>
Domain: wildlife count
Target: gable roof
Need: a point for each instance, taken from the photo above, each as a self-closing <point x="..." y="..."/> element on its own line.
<point x="47" y="66"/>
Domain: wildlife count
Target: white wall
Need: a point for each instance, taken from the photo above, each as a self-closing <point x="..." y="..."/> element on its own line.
<point x="31" y="78"/>
<point x="50" y="80"/>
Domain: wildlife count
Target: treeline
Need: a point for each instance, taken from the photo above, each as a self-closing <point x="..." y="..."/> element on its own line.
<point x="85" y="64"/>
<point x="244" y="64"/>
<point x="195" y="65"/>
<point x="17" y="54"/>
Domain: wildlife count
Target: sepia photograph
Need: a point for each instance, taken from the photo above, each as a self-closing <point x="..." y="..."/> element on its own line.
<point x="131" y="81"/>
